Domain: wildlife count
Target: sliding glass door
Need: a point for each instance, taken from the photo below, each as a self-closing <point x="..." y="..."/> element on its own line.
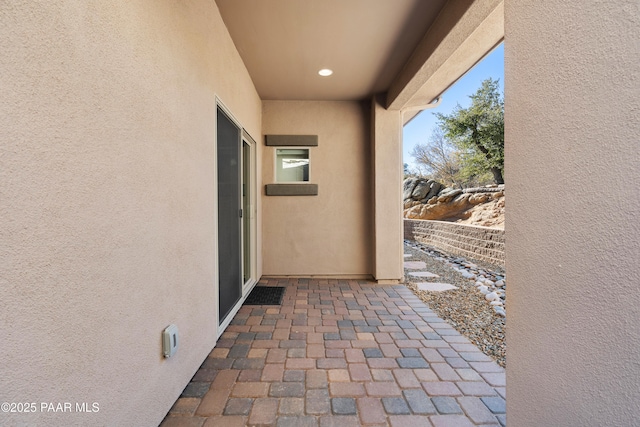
<point x="229" y="215"/>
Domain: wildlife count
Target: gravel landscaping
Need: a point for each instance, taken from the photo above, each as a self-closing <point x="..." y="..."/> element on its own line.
<point x="464" y="308"/>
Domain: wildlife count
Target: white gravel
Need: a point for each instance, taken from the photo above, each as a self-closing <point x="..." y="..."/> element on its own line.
<point x="464" y="308"/>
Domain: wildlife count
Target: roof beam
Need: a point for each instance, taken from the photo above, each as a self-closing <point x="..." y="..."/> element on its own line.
<point x="463" y="33"/>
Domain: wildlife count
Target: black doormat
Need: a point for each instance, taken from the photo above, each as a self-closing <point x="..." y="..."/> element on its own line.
<point x="265" y="295"/>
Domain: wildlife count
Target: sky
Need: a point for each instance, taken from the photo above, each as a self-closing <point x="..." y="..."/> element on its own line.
<point x="418" y="130"/>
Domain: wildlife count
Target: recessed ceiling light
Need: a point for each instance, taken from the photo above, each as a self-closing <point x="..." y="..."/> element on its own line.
<point x="325" y="72"/>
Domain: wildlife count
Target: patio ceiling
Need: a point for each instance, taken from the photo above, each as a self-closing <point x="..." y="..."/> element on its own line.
<point x="365" y="42"/>
<point x="411" y="49"/>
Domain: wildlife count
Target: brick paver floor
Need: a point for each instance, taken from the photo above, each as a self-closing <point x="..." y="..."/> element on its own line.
<point x="342" y="353"/>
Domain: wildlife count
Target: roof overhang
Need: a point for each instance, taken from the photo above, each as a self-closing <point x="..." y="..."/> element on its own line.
<point x="411" y="50"/>
<point x="463" y="34"/>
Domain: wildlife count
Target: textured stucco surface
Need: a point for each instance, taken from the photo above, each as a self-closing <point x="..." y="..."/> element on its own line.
<point x="107" y="207"/>
<point x="572" y="129"/>
<point x="328" y="234"/>
<point x="386" y="153"/>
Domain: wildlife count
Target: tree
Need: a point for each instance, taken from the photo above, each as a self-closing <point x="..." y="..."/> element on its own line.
<point x="440" y="159"/>
<point x="479" y="131"/>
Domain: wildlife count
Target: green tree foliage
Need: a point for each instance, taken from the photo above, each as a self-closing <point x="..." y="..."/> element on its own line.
<point x="478" y="132"/>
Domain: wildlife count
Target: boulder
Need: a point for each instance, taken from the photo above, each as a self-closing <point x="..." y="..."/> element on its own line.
<point x="460" y="202"/>
<point x="445" y="197"/>
<point x="434" y="189"/>
<point x="407" y="187"/>
<point x="478" y="198"/>
<point x="410" y="203"/>
<point x="420" y="190"/>
<point x="430" y="200"/>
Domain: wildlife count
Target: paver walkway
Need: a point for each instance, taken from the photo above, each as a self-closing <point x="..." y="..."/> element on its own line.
<point x="342" y="353"/>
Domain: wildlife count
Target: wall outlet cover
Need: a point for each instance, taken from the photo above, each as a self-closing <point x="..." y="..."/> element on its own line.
<point x="170" y="340"/>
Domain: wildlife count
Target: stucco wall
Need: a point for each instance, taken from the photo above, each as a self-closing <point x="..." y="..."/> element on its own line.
<point x="481" y="243"/>
<point x="328" y="234"/>
<point x="572" y="132"/>
<point x="386" y="164"/>
<point x="107" y="207"/>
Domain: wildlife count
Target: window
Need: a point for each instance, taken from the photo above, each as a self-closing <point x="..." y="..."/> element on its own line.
<point x="292" y="165"/>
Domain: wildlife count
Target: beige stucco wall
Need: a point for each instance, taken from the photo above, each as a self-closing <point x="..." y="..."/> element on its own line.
<point x="107" y="151"/>
<point x="386" y="163"/>
<point x="572" y="132"/>
<point x="328" y="234"/>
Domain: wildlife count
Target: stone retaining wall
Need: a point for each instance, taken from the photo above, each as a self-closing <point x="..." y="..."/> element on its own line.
<point x="481" y="243"/>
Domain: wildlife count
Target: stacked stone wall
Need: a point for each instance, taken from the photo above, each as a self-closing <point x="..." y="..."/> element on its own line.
<point x="481" y="243"/>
